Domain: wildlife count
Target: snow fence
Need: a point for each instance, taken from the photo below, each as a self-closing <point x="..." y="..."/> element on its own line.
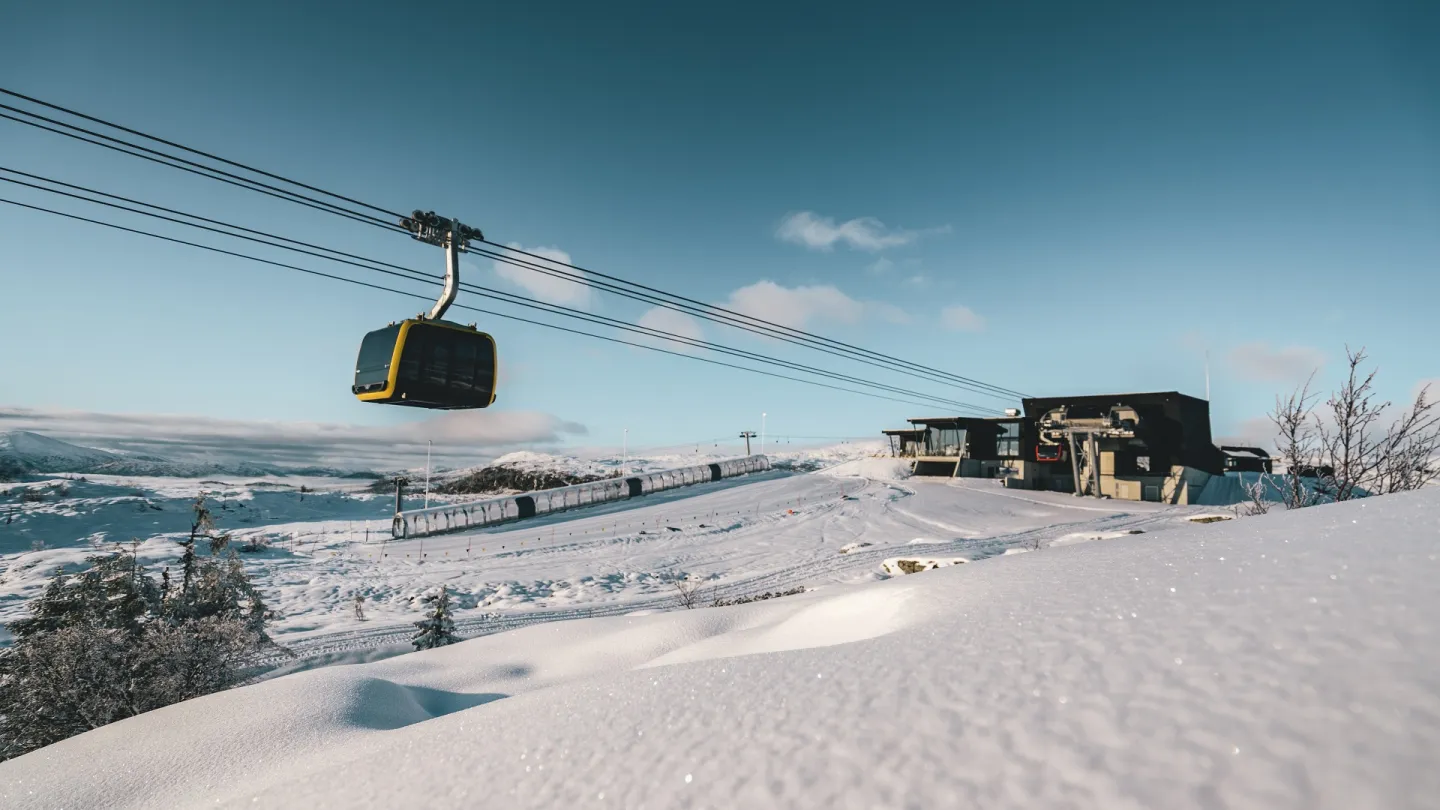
<point x="475" y="514"/>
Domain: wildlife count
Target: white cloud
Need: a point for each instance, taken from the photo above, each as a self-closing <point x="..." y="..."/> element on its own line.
<point x="798" y="307"/>
<point x="1256" y="431"/>
<point x="1261" y="362"/>
<point x="865" y="233"/>
<point x="888" y="313"/>
<point x="795" y="306"/>
<point x="460" y="437"/>
<point x="880" y="266"/>
<point x="961" y="319"/>
<point x="549" y="288"/>
<point x="918" y="280"/>
<point x="676" y="323"/>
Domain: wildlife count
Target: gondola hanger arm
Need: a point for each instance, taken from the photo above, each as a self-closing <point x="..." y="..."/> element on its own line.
<point x="454" y="236"/>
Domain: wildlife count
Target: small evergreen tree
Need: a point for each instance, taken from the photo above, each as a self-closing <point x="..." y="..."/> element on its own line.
<point x="437" y="629"/>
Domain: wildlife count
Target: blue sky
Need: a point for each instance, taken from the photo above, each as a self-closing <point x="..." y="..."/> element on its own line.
<point x="1053" y="197"/>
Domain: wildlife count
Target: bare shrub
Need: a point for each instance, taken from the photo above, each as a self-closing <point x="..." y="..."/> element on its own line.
<point x="1255" y="501"/>
<point x="1349" y="452"/>
<point x="688" y="592"/>
<point x="1409" y="450"/>
<point x="1298" y="443"/>
<point x="1363" y="459"/>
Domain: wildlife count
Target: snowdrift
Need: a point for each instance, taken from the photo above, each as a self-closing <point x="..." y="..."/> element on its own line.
<point x="1284" y="661"/>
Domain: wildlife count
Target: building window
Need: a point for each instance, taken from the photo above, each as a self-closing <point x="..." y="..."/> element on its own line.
<point x="1007" y="443"/>
<point x="945" y="441"/>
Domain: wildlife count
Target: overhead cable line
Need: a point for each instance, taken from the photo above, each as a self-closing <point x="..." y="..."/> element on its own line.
<point x="154" y="156"/>
<point x="487" y="292"/>
<point x="808" y="337"/>
<point x="422" y="297"/>
<point x="192" y="151"/>
<point x="697" y="310"/>
<point x="293" y="197"/>
<point x="671" y="300"/>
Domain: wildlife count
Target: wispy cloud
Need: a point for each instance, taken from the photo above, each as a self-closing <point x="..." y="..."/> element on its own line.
<point x="1430" y="387"/>
<point x="813" y="231"/>
<point x="889" y="313"/>
<point x="460" y="437"/>
<point x="880" y="266"/>
<point x="544" y="286"/>
<point x="1261" y="362"/>
<point x="796" y="306"/>
<point x="1256" y="431"/>
<point x="961" y="319"/>
<point x="799" y="307"/>
<point x="676" y="323"/>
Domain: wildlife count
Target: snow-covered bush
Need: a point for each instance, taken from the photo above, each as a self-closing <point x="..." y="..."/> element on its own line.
<point x="107" y="642"/>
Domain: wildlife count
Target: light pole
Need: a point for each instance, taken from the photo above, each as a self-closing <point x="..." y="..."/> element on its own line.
<point x="625" y="452"/>
<point x="427" y="473"/>
<point x="762" y="434"/>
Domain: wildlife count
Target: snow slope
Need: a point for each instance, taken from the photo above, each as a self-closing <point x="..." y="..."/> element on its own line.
<point x="34" y="452"/>
<point x="1283" y="661"/>
<point x="25" y="453"/>
<point x="742" y="536"/>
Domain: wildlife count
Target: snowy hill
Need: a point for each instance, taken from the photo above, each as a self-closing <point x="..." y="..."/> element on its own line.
<point x="31" y="452"/>
<point x="1283" y="661"/>
<point x="25" y="453"/>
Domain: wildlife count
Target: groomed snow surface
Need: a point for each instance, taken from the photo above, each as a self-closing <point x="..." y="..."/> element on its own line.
<point x="1283" y="661"/>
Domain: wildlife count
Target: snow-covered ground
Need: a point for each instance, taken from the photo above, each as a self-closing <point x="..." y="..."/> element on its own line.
<point x="1284" y="661"/>
<point x="742" y="537"/>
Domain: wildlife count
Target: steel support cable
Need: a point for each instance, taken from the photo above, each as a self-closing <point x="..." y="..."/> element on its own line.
<point x="193" y="151"/>
<point x="728" y="315"/>
<point x="758" y="321"/>
<point x="200" y="169"/>
<point x="725" y="320"/>
<point x="134" y="201"/>
<point x="474" y="288"/>
<point x="410" y="274"/>
<point x="422" y="297"/>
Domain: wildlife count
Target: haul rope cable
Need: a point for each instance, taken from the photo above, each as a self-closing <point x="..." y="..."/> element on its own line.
<point x="458" y="306"/>
<point x="726" y="320"/>
<point x="196" y="168"/>
<point x="726" y="316"/>
<point x="487" y="292"/>
<point x="713" y="312"/>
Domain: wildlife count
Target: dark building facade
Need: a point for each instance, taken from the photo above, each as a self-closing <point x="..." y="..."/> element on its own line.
<point x="969" y="446"/>
<point x="1139" y="446"/>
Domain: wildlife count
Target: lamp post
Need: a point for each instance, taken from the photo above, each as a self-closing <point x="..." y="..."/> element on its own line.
<point x="625" y="452"/>
<point x="427" y="473"/>
<point x="762" y="434"/>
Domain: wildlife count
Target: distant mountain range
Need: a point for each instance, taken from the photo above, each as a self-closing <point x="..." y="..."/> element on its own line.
<point x="25" y="453"/>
